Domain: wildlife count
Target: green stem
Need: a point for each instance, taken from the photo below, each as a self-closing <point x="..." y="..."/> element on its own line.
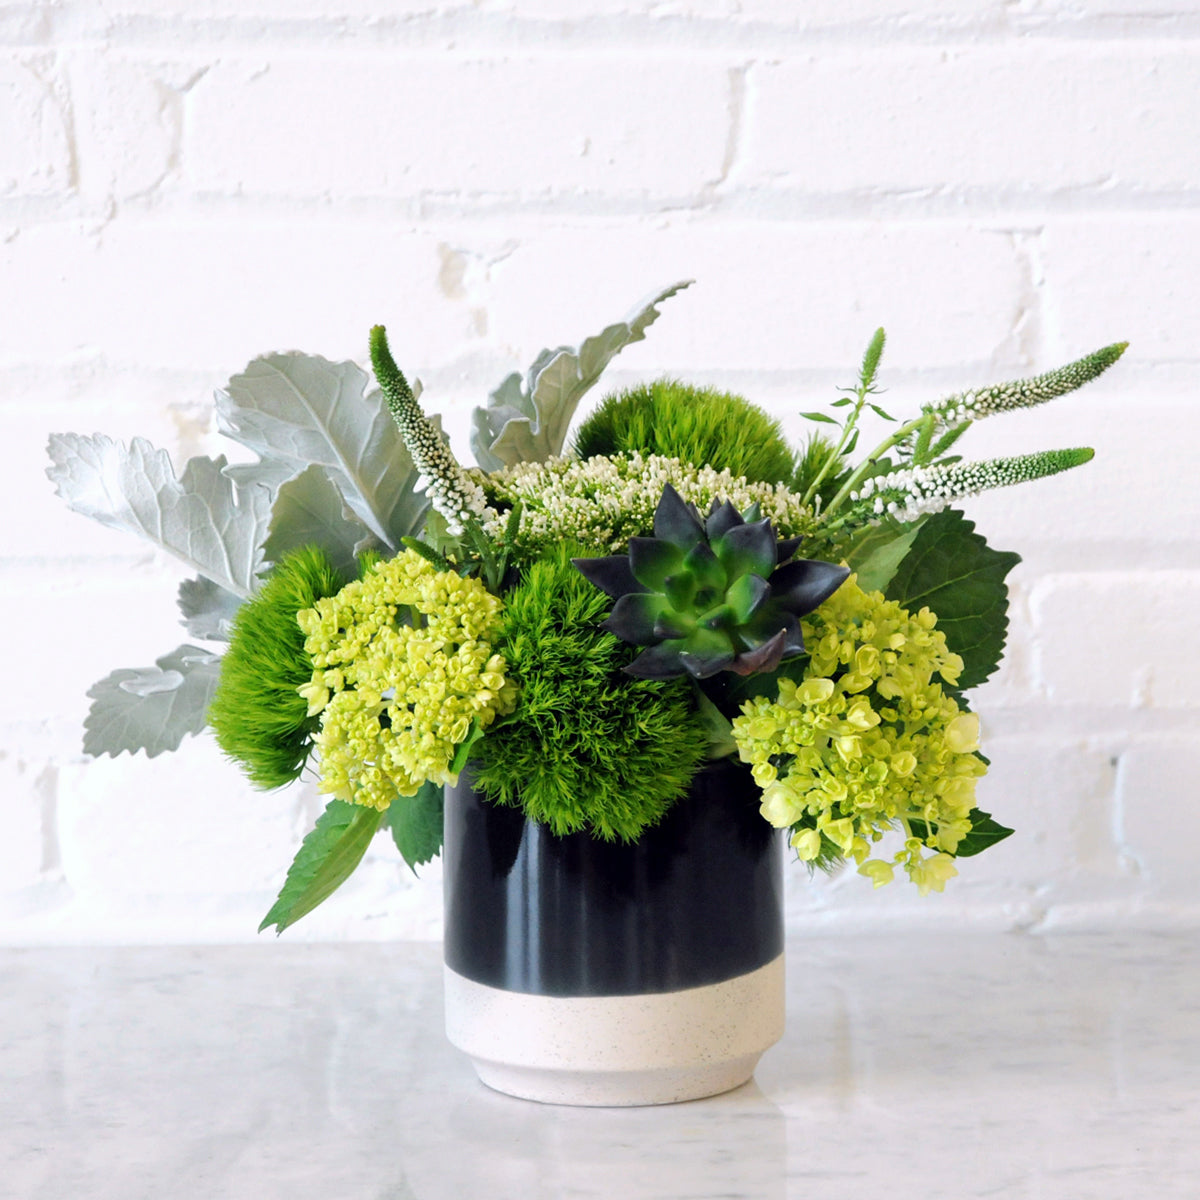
<point x="860" y="472"/>
<point x="836" y="454"/>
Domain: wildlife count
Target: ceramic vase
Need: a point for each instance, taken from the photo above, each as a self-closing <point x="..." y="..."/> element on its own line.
<point x="585" y="972"/>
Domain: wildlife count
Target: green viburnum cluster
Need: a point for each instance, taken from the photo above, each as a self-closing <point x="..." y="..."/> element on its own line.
<point x="868" y="740"/>
<point x="602" y="502"/>
<point x="403" y="670"/>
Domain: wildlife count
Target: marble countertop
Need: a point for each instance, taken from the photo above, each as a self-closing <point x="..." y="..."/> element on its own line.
<point x="915" y="1065"/>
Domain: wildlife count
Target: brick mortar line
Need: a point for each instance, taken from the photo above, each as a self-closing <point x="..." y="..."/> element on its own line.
<point x="616" y="32"/>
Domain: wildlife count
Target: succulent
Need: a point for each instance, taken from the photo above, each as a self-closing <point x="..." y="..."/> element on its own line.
<point x="710" y="594"/>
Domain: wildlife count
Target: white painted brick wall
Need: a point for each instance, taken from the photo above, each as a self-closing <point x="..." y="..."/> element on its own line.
<point x="1003" y="186"/>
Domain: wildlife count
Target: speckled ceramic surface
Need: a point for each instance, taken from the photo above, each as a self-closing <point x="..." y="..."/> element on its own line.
<point x="618" y="1050"/>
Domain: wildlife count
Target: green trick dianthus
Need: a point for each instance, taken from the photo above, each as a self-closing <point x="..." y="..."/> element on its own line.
<point x="696" y="424"/>
<point x="587" y="748"/>
<point x="260" y="719"/>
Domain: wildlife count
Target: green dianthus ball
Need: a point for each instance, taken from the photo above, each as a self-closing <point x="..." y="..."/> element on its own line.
<point x="588" y="747"/>
<point x="260" y="719"/>
<point x="696" y="424"/>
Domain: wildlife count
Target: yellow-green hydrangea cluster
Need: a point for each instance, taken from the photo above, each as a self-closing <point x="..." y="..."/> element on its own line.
<point x="402" y="667"/>
<point x="868" y="740"/>
<point x="603" y="501"/>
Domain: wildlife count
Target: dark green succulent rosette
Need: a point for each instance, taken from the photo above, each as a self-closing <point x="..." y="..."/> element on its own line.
<point x="705" y="595"/>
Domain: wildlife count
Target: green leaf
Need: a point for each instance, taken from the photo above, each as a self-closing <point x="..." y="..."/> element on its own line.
<point x="816" y="416"/>
<point x="879" y="412"/>
<point x="953" y="571"/>
<point x="718" y="726"/>
<point x="878" y="550"/>
<point x="152" y="708"/>
<point x="416" y="824"/>
<point x="326" y="859"/>
<point x="984" y="834"/>
<point x="842" y="402"/>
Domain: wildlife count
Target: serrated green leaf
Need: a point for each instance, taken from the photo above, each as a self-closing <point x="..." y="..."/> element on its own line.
<point x="326" y="859"/>
<point x="824" y="418"/>
<point x="530" y="424"/>
<point x="952" y="570"/>
<point x="151" y="708"/>
<point x="204" y="517"/>
<point x="301" y="409"/>
<point x="310" y="511"/>
<point x="984" y="834"/>
<point x="416" y="824"/>
<point x="877" y="552"/>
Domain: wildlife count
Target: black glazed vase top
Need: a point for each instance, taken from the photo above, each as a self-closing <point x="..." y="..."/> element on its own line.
<point x="697" y="900"/>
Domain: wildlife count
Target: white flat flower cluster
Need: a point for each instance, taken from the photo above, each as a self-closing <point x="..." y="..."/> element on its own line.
<point x="602" y="502"/>
<point x="909" y="494"/>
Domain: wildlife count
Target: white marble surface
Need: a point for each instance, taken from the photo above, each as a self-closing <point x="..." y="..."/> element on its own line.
<point x="1002" y="1066"/>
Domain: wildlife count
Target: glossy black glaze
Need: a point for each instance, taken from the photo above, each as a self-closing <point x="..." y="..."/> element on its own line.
<point x="696" y="901"/>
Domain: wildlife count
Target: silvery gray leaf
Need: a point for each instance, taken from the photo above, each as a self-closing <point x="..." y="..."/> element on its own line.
<point x="530" y="424"/>
<point x="269" y="473"/>
<point x="309" y="510"/>
<point x="303" y="409"/>
<point x="152" y="708"/>
<point x="208" y="610"/>
<point x="203" y="518"/>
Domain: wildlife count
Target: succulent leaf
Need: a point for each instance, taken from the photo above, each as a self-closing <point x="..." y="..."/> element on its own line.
<point x="746" y="595"/>
<point x="706" y="568"/>
<point x="803" y="585"/>
<point x="658" y="662"/>
<point x="721" y="519"/>
<point x="681" y="592"/>
<point x="765" y="658"/>
<point x="710" y="595"/>
<point x="676" y="521"/>
<point x="748" y="549"/>
<point x="653" y="561"/>
<point x="634" y="617"/>
<point x="612" y="574"/>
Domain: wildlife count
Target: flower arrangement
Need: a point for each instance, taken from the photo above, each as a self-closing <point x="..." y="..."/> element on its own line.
<point x="587" y="624"/>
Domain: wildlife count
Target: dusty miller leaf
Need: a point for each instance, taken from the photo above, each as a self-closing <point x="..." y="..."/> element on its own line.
<point x="204" y="517"/>
<point x="416" y="824"/>
<point x="953" y="571"/>
<point x="302" y="409"/>
<point x="310" y="511"/>
<point x="152" y="708"/>
<point x="326" y="859"/>
<point x="529" y="424"/>
<point x="207" y="609"/>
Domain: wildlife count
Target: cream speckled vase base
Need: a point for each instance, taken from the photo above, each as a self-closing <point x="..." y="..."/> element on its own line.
<point x="656" y="1048"/>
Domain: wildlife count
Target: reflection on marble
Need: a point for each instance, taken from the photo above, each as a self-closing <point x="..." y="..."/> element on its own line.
<point x="999" y="1065"/>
